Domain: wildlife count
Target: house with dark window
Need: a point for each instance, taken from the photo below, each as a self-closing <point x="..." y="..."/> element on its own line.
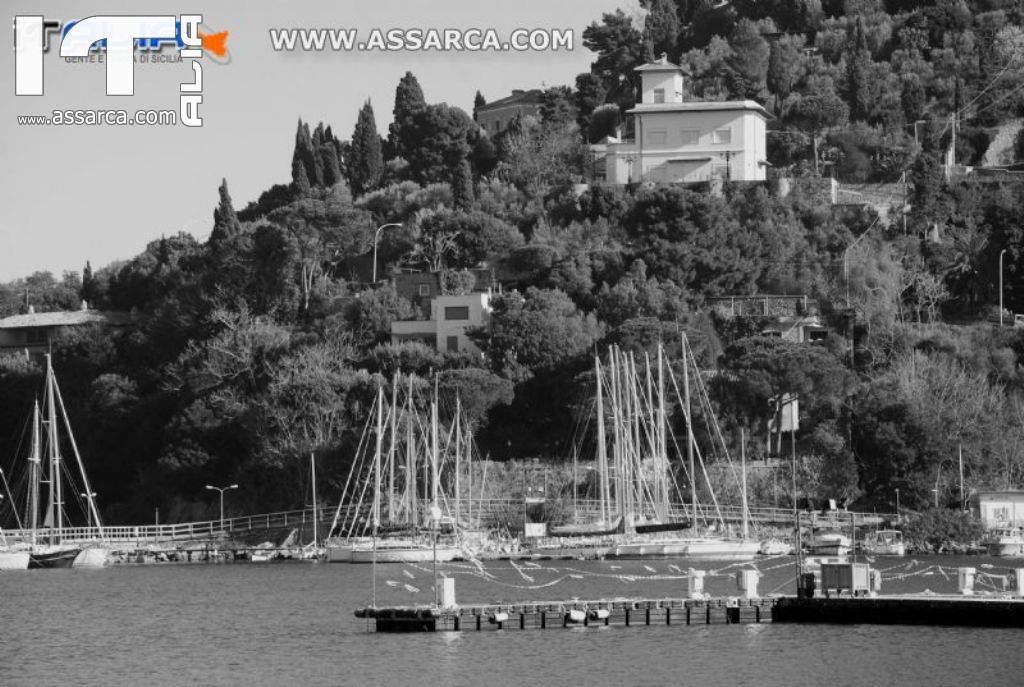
<point x="449" y="318"/>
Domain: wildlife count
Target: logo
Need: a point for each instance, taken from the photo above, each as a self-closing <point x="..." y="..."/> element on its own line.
<point x="118" y="37"/>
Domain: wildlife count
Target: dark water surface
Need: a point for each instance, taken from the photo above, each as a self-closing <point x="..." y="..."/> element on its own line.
<point x="292" y="624"/>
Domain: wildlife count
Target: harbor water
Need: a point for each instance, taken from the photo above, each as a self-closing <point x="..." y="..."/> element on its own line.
<point x="292" y="623"/>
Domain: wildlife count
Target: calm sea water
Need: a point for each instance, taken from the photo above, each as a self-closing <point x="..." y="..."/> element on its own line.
<point x="292" y="624"/>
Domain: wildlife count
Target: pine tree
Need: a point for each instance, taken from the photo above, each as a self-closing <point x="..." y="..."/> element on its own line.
<point x="225" y="220"/>
<point x="478" y="102"/>
<point x="365" y="163"/>
<point x="462" y="186"/>
<point x="662" y="26"/>
<point x="408" y="101"/>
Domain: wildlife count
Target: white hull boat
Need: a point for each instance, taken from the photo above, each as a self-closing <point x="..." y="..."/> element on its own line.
<point x="705" y="548"/>
<point x="14" y="560"/>
<point x="407" y="553"/>
<point x="885" y="543"/>
<point x="829" y="544"/>
<point x="91" y="557"/>
<point x="1006" y="541"/>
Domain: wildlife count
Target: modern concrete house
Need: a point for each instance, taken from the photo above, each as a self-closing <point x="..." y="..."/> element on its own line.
<point x="683" y="141"/>
<point x="449" y="317"/>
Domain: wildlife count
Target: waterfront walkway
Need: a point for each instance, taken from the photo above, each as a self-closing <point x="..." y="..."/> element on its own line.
<point x="490" y="511"/>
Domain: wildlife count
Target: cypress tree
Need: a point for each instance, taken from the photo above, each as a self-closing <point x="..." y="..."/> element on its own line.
<point x="408" y="101"/>
<point x="365" y="163"/>
<point x="300" y="180"/>
<point x="478" y="102"/>
<point x="225" y="220"/>
<point x="305" y="155"/>
<point x="462" y="186"/>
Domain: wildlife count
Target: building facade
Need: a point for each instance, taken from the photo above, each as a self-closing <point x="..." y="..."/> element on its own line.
<point x="33" y="334"/>
<point x="999" y="508"/>
<point x="449" y="318"/>
<point x="685" y="141"/>
<point x="495" y="117"/>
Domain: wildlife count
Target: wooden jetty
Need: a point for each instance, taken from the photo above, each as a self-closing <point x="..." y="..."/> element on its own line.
<point x="952" y="610"/>
<point x="576" y="613"/>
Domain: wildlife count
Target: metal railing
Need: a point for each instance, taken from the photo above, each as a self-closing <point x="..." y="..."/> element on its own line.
<point x="475" y="510"/>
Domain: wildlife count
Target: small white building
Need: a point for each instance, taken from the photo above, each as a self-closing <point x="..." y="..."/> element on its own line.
<point x="450" y="316"/>
<point x="999" y="508"/>
<point x="684" y="141"/>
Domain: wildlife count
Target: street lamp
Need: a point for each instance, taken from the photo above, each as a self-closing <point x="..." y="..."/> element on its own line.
<point x="376" y="235"/>
<point x="222" y="490"/>
<point x="1001" y="253"/>
<point x="897" y="503"/>
<point x="88" y="510"/>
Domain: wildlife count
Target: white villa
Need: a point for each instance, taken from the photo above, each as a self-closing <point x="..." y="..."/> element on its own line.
<point x="679" y="140"/>
<point x="450" y="316"/>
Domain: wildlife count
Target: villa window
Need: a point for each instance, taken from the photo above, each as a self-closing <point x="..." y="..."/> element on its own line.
<point x="457" y="312"/>
<point x="659" y="95"/>
<point x="424" y="289"/>
<point x="657" y="136"/>
<point x="689" y="137"/>
<point x="722" y="136"/>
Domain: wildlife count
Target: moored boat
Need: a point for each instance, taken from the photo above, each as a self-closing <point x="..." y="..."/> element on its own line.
<point x="45" y="557"/>
<point x="828" y="543"/>
<point x="14" y="560"/>
<point x="1005" y="541"/>
<point x="884" y="543"/>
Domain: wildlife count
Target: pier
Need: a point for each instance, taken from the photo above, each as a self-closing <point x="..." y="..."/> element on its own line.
<point x="564" y="614"/>
<point x="995" y="611"/>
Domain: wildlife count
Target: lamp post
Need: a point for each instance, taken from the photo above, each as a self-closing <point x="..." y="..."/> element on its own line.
<point x="376" y="235"/>
<point x="897" y="503"/>
<point x="1001" y="254"/>
<point x="222" y="490"/>
<point x="88" y="511"/>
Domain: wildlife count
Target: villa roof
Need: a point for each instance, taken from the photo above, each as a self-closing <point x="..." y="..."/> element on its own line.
<point x="701" y="106"/>
<point x="659" y="65"/>
<point x="64" y="318"/>
<point x="518" y="97"/>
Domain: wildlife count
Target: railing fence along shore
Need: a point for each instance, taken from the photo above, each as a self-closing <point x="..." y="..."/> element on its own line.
<point x="482" y="509"/>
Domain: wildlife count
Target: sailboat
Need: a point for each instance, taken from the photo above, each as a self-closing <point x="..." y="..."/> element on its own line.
<point x="634" y="476"/>
<point x="400" y="538"/>
<point x="49" y="547"/>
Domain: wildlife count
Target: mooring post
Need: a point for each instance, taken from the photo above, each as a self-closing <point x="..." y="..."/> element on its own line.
<point x="456" y="623"/>
<point x="543" y="619"/>
<point x="687" y="615"/>
<point x="627" y="617"/>
<point x="668" y="616"/>
<point x="478" y="621"/>
<point x="522" y="621"/>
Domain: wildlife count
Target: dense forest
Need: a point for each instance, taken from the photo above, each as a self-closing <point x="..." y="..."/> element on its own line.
<point x="267" y="342"/>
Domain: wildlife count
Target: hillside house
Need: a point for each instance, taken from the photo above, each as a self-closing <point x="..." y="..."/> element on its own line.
<point x="685" y="141"/>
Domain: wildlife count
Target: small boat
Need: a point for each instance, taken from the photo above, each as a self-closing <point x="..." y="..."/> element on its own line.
<point x="14" y="560"/>
<point x="829" y="543"/>
<point x="1005" y="541"/>
<point x="53" y="556"/>
<point x="884" y="543"/>
<point x="775" y="547"/>
<point x="91" y="557"/>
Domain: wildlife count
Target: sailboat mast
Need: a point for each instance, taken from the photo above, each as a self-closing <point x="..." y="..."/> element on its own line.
<point x="377" y="458"/>
<point x="410" y="458"/>
<point x="56" y="505"/>
<point x="458" y="457"/>
<point x="316" y="511"/>
<point x="689" y="429"/>
<point x="662" y="439"/>
<point x="433" y="450"/>
<point x="602" y="452"/>
<point x="392" y="451"/>
<point x="743" y="475"/>
<point x="35" y="467"/>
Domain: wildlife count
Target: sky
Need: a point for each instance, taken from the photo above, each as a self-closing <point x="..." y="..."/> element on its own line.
<point x="101" y="193"/>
